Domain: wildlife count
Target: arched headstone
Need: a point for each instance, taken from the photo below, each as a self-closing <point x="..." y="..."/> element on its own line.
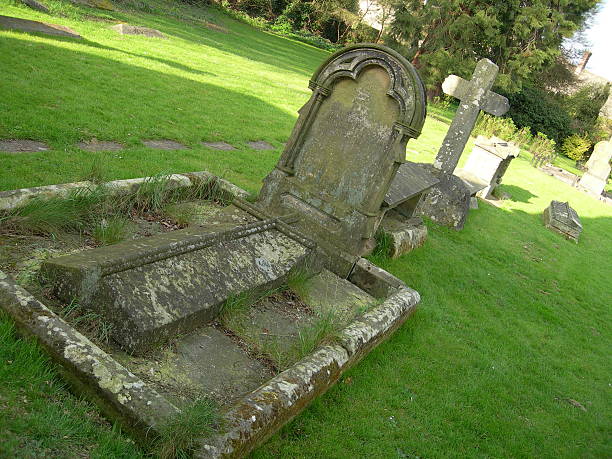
<point x="346" y="147"/>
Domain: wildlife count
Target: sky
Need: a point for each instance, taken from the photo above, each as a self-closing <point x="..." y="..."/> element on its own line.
<point x="600" y="36"/>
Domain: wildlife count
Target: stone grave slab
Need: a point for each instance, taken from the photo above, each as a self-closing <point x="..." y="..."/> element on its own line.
<point x="346" y="147"/>
<point x="101" y="4"/>
<point x="410" y="181"/>
<point x="126" y="29"/>
<point x="260" y="145"/>
<point x="224" y="146"/>
<point x="98" y="145"/>
<point x="164" y="144"/>
<point x="487" y="164"/>
<point x="35" y="5"/>
<point x="204" y="363"/>
<point x="22" y="146"/>
<point x="26" y="25"/>
<point x="560" y="217"/>
<point x="598" y="169"/>
<point x="154" y="288"/>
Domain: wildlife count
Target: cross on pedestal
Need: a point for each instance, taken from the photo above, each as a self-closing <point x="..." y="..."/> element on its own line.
<point x="475" y="95"/>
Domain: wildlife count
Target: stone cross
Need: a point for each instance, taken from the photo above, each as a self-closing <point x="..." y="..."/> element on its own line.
<point x="475" y="95"/>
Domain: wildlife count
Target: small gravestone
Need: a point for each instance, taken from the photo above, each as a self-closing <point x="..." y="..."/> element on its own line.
<point x="346" y="147"/>
<point x="164" y="144"/>
<point x="98" y="145"/>
<point x="22" y="146"/>
<point x="126" y="29"/>
<point x="100" y="4"/>
<point x="223" y="146"/>
<point x="560" y="217"/>
<point x="487" y="164"/>
<point x="35" y="5"/>
<point x="448" y="202"/>
<point x="25" y="25"/>
<point x="598" y="168"/>
<point x="260" y="145"/>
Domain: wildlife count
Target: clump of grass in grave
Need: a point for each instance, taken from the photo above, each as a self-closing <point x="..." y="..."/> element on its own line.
<point x="111" y="230"/>
<point x="50" y="216"/>
<point x="209" y="189"/>
<point x="383" y="245"/>
<point x="178" y="436"/>
<point x="88" y="322"/>
<point x="96" y="172"/>
<point x="182" y="215"/>
<point x="323" y="331"/>
<point x="152" y="194"/>
<point x="234" y="310"/>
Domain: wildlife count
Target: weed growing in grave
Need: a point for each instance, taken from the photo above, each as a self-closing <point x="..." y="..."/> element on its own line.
<point x="100" y="212"/>
<point x="178" y="437"/>
<point x="383" y="245"/>
<point x="111" y="230"/>
<point x="88" y="322"/>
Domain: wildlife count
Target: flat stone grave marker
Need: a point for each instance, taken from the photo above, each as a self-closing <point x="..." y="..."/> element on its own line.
<point x="164" y="144"/>
<point x="101" y="4"/>
<point x="260" y="145"/>
<point x="219" y="146"/>
<point x="26" y="25"/>
<point x="561" y="218"/>
<point x="598" y="168"/>
<point x="126" y="29"/>
<point x="22" y="146"/>
<point x="346" y="147"/>
<point x="97" y="145"/>
<point x="487" y="164"/>
<point x="35" y="5"/>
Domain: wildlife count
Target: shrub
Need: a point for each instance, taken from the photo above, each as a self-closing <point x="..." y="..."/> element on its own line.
<point x="575" y="147"/>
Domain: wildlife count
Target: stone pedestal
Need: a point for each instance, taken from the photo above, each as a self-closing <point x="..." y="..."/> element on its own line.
<point x="487" y="164"/>
<point x="404" y="234"/>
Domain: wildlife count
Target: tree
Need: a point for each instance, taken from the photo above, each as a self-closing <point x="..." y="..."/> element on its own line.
<point x="449" y="36"/>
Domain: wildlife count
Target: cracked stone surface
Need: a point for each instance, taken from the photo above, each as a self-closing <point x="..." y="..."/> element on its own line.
<point x="22" y="146"/>
<point x="219" y="146"/>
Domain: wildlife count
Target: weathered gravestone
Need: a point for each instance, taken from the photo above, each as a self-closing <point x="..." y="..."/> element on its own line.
<point x="35" y="5"/>
<point x="126" y="29"/>
<point x="447" y="203"/>
<point x="487" y="165"/>
<point x="318" y="212"/>
<point x="598" y="168"/>
<point x="345" y="149"/>
<point x="560" y="217"/>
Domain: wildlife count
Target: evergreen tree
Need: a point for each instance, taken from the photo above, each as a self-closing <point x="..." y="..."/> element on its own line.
<point x="449" y="36"/>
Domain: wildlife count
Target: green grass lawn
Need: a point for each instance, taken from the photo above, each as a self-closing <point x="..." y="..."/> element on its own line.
<point x="509" y="352"/>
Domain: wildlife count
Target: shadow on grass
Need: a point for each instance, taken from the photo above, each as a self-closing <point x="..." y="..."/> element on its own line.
<point x="242" y="40"/>
<point x="517" y="193"/>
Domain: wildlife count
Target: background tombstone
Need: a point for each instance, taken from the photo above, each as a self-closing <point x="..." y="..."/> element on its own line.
<point x="487" y="164"/>
<point x="561" y="218"/>
<point x="598" y="168"/>
<point x="448" y="202"/>
<point x="346" y="147"/>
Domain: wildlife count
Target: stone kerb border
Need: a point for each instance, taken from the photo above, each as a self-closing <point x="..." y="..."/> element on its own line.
<point x="17" y="198"/>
